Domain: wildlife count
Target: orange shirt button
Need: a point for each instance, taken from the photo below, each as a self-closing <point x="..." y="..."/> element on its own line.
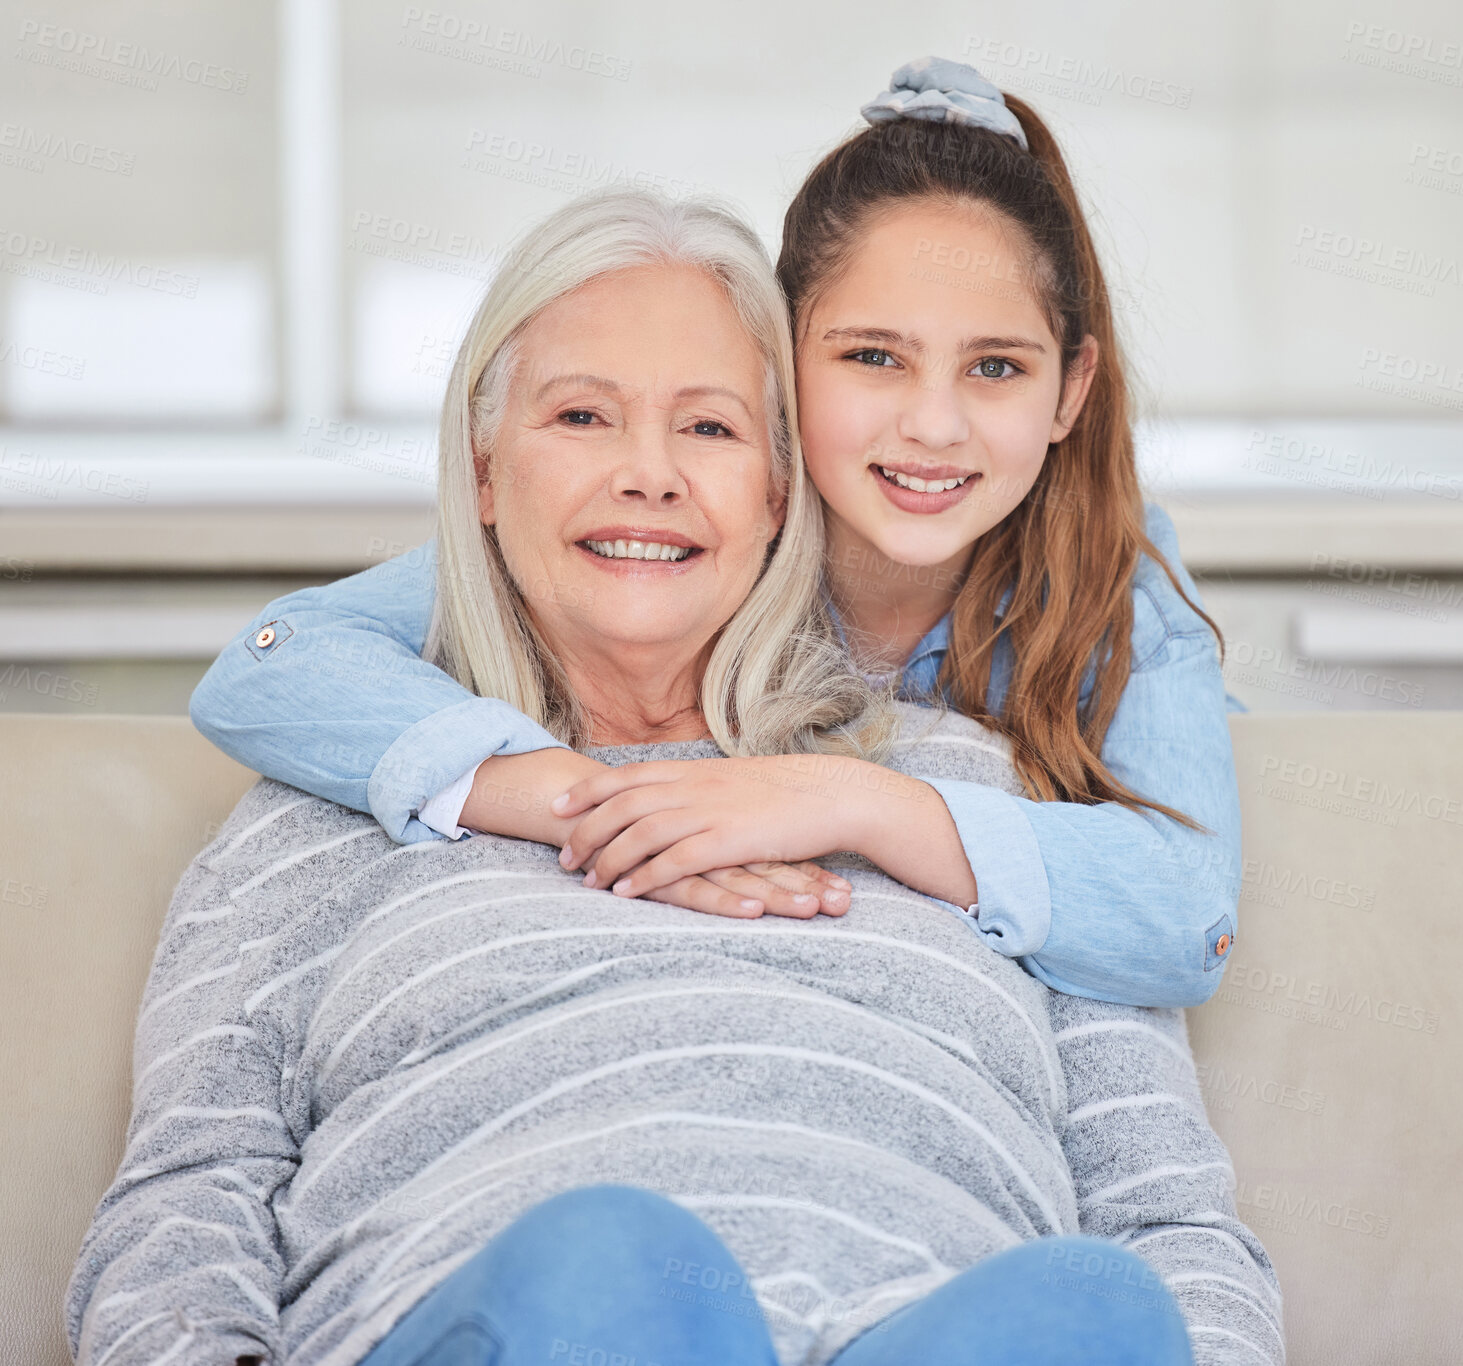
<point x="265" y="638"/>
<point x="1221" y="947"/>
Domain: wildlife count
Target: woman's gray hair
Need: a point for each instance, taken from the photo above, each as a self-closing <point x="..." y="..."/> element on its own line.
<point x="778" y="680"/>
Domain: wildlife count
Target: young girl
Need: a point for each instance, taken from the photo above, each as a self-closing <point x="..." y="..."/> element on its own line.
<point x="963" y="412"/>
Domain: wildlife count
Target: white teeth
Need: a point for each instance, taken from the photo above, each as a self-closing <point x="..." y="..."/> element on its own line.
<point x="908" y="481"/>
<point x="638" y="550"/>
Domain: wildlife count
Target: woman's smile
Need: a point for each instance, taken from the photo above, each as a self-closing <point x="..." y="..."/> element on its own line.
<point x="633" y="552"/>
<point x="641" y="463"/>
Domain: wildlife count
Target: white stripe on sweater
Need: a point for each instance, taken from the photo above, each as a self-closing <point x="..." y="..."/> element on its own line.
<point x="1195" y="1328"/>
<point x="270" y="1117"/>
<point x="136" y="1328"/>
<point x="212" y="975"/>
<point x="1239" y="1291"/>
<point x="636" y="998"/>
<point x="268" y="818"/>
<point x="816" y="1138"/>
<point x="1152" y="1174"/>
<point x="1106" y="1107"/>
<point x="840" y="937"/>
<point x="1142" y="1027"/>
<point x="1203" y="1222"/>
<point x="301" y="1184"/>
<point x="217" y="1032"/>
<point x="299" y="857"/>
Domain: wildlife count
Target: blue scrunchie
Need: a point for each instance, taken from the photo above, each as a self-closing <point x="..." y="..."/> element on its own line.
<point x="944" y="92"/>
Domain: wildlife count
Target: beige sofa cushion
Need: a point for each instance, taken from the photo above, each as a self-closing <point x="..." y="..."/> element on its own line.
<point x="1332" y="1052"/>
<point x="98" y="818"/>
<point x="1330" y="1056"/>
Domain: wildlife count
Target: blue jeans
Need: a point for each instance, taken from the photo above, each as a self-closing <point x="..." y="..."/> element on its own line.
<point x="619" y="1276"/>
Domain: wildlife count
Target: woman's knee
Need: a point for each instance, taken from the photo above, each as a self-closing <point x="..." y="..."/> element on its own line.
<point x="1081" y="1255"/>
<point x="1049" y="1301"/>
<point x="630" y="1208"/>
<point x="1094" y="1284"/>
<point x="635" y="1231"/>
<point x="628" y="1269"/>
<point x="631" y="1213"/>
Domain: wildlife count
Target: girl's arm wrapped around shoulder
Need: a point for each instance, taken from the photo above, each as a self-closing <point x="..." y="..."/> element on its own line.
<point x="326" y="690"/>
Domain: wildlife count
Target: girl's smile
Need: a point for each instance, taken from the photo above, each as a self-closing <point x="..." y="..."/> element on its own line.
<point x="923" y="489"/>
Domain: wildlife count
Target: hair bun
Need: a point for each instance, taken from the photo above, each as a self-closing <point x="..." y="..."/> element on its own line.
<point x="944" y="92"/>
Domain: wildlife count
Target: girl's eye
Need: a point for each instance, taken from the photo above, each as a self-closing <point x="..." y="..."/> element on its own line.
<point x="720" y="428"/>
<point x="872" y="356"/>
<point x="984" y="368"/>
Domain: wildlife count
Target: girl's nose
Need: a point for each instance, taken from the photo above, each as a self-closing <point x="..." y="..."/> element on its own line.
<point x="933" y="416"/>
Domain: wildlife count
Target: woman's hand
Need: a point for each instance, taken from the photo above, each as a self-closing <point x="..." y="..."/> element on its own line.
<point x="511" y="795"/>
<point x="644" y="826"/>
<point x="800" y="890"/>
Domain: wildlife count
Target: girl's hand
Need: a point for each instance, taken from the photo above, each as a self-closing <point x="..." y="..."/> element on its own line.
<point x="800" y="890"/>
<point x="511" y="795"/>
<point x="645" y="826"/>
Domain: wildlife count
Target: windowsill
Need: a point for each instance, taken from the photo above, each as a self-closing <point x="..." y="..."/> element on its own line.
<point x="356" y="463"/>
<point x="215" y="502"/>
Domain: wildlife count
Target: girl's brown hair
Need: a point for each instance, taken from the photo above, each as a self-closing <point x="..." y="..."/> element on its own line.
<point x="1070" y="549"/>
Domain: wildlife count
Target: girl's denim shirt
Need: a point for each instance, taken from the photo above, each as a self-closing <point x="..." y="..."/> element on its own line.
<point x="326" y="690"/>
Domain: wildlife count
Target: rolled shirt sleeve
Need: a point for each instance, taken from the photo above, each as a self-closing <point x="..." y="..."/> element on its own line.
<point x="442" y="812"/>
<point x="326" y="690"/>
<point x="1014" y="913"/>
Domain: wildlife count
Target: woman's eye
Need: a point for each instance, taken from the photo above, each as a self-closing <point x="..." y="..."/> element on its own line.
<point x="993" y="367"/>
<point x="578" y="417"/>
<point x="718" y="428"/>
<point x="872" y="356"/>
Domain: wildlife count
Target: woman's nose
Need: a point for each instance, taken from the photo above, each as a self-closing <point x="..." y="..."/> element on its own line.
<point x="648" y="467"/>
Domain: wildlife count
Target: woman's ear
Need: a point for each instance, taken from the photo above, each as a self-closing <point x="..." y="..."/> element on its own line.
<point x="776" y="508"/>
<point x="1075" y="389"/>
<point x="486" y="513"/>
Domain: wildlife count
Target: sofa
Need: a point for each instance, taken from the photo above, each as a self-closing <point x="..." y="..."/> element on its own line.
<point x="1330" y="1055"/>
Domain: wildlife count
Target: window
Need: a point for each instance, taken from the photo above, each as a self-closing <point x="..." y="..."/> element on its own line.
<point x="254" y="232"/>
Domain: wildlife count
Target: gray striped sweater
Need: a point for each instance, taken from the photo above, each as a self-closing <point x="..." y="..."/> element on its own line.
<point x="356" y="1061"/>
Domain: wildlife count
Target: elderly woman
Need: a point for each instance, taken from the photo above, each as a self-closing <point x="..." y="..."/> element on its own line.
<point x="443" y="1103"/>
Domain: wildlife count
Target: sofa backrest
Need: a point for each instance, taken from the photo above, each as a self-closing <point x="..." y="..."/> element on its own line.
<point x="1330" y="1055"/>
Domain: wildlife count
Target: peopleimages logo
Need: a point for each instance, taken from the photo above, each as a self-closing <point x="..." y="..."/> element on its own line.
<point x="94" y="54"/>
<point x="1281" y="987"/>
<point x="1289" y="1207"/>
<point x="1401" y="44"/>
<point x="1338" y="783"/>
<point x="32" y="148"/>
<point x="1279" y="450"/>
<point x="1355" y="256"/>
<point x="484" y="44"/>
<point x="1070" y="76"/>
<point x="45" y="258"/>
